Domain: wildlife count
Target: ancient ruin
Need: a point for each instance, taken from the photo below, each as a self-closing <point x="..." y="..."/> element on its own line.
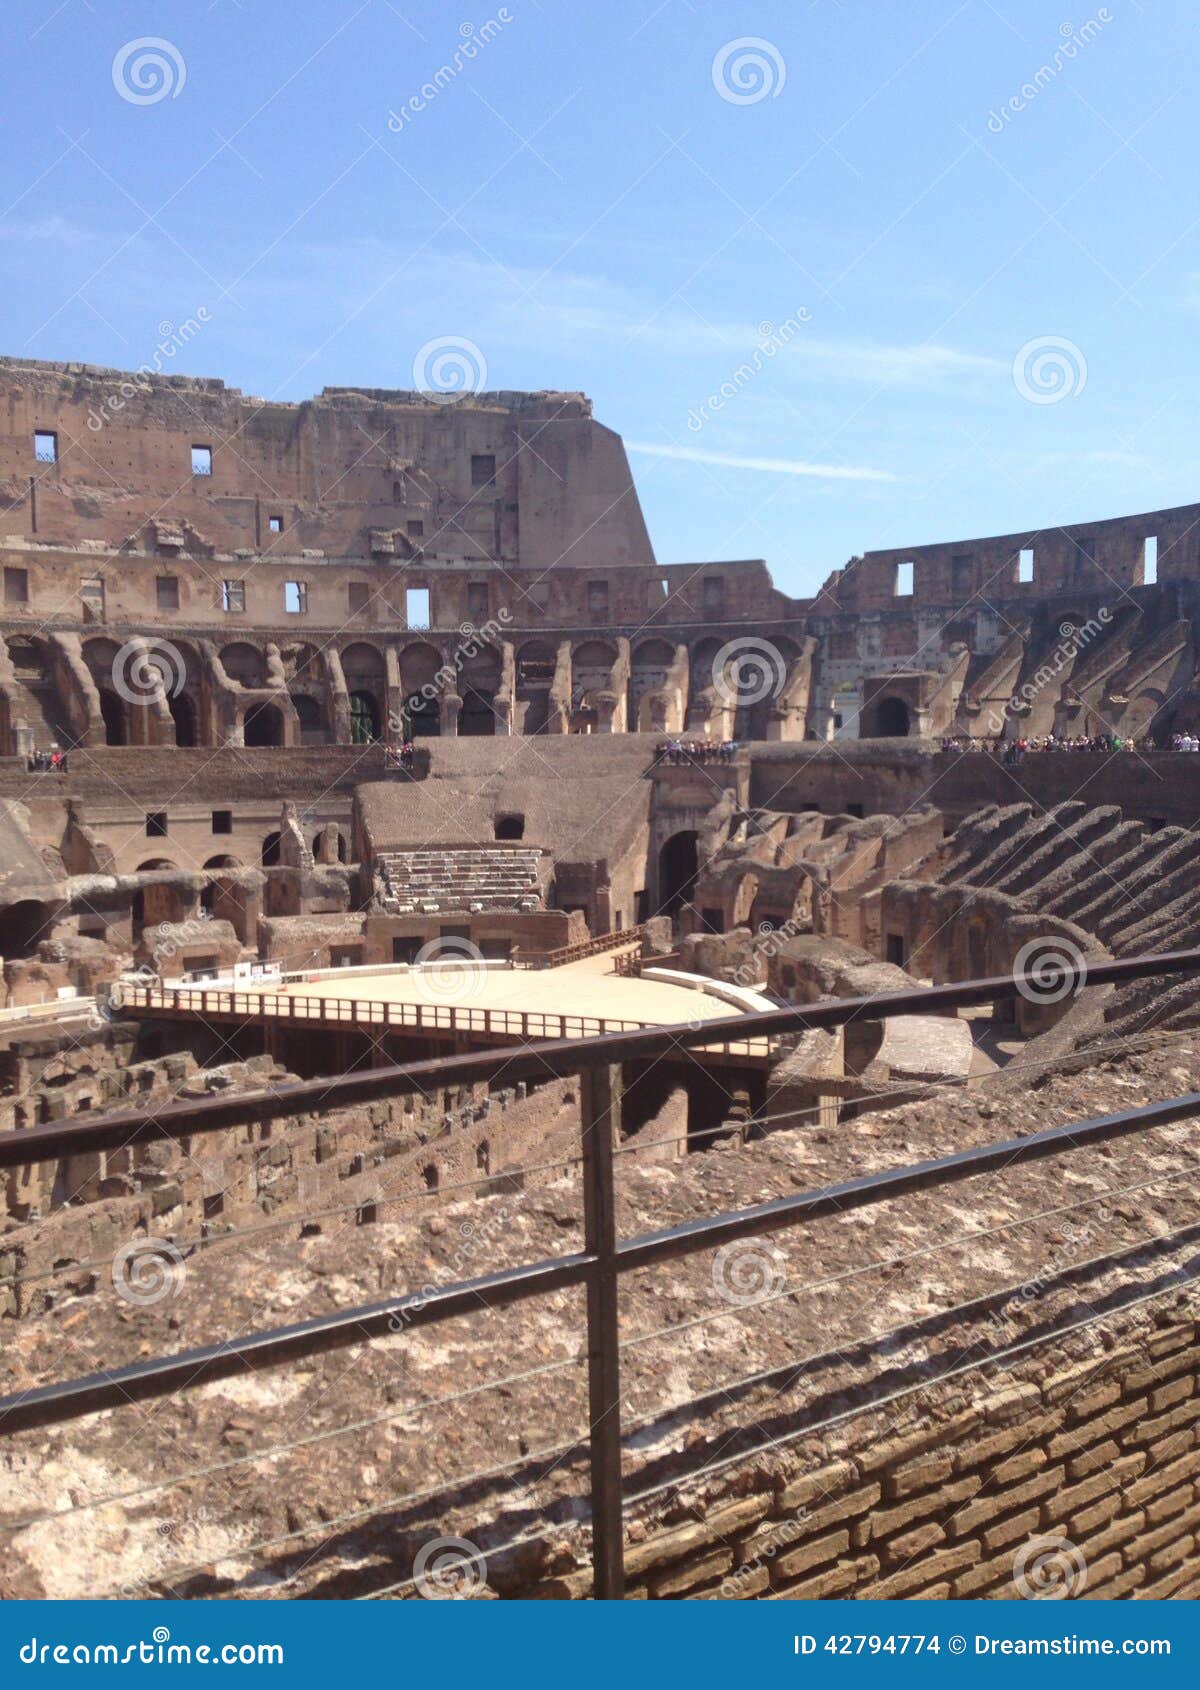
<point x="368" y="731"/>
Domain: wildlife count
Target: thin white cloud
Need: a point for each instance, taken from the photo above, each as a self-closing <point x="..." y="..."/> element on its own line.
<point x="772" y="466"/>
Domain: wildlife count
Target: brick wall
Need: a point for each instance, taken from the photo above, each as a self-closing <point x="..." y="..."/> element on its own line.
<point x="953" y="1495"/>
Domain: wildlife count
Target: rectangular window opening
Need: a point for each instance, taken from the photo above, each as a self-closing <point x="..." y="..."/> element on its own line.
<point x="1150" y="561"/>
<point x="45" y="446"/>
<point x="156" y="824"/>
<point x="295" y="597"/>
<point x="201" y="460"/>
<point x="415" y="528"/>
<point x="166" y="592"/>
<point x="359" y="597"/>
<point x="1025" y="566"/>
<point x="16" y="586"/>
<point x="483" y="469"/>
<point x="222" y="821"/>
<point x="275" y="524"/>
<point x="416" y="607"/>
<point x="233" y="595"/>
<point x="904" y="581"/>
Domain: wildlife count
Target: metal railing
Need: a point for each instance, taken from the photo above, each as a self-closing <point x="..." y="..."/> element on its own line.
<point x="584" y="948"/>
<point x="220" y="1004"/>
<point x="604" y="1258"/>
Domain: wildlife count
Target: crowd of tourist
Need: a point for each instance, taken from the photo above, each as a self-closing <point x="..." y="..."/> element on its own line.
<point x="1013" y="750"/>
<point x="697" y="751"/>
<point x="399" y="757"/>
<point x="53" y="761"/>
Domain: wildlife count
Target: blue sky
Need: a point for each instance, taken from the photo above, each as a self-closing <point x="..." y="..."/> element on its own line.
<point x="983" y="303"/>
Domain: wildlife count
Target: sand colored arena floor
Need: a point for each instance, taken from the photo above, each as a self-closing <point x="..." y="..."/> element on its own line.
<point x="588" y="987"/>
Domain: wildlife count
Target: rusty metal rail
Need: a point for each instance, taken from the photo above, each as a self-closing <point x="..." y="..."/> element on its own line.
<point x="605" y="1257"/>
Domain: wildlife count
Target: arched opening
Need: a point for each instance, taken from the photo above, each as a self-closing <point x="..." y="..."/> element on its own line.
<point x="152" y="906"/>
<point x="364" y="718"/>
<point x="183" y="714"/>
<point x="478" y="685"/>
<point x="263" y="725"/>
<point x="215" y="888"/>
<point x="536" y="663"/>
<point x="116" y="721"/>
<point x="678" y="866"/>
<point x="648" y="669"/>
<point x="22" y="927"/>
<point x="887" y="718"/>
<point x="243" y="663"/>
<point x="311" y="719"/>
<point x="270" y="850"/>
<point x="419" y="668"/>
<point x="510" y="827"/>
<point x="48" y="721"/>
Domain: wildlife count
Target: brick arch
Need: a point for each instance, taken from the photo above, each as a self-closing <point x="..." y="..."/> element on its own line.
<point x="244" y="663"/>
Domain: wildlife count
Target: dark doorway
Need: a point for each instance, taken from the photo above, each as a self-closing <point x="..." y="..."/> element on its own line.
<point x="183" y="714"/>
<point x="677" y="871"/>
<point x="263" y="725"/>
<point x="889" y="719"/>
<point x="423" y="716"/>
<point x="116" y="726"/>
<point x="364" y="718"/>
<point x="311" y="719"/>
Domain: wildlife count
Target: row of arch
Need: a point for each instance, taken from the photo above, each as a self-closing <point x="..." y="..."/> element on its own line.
<point x="423" y="669"/>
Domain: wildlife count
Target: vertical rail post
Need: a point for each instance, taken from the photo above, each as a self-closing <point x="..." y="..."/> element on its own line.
<point x="599" y="1098"/>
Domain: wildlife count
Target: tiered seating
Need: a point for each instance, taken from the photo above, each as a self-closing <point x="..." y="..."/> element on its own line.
<point x="431" y="882"/>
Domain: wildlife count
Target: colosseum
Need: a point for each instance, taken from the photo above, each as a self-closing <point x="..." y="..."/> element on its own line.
<point x="768" y="1021"/>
